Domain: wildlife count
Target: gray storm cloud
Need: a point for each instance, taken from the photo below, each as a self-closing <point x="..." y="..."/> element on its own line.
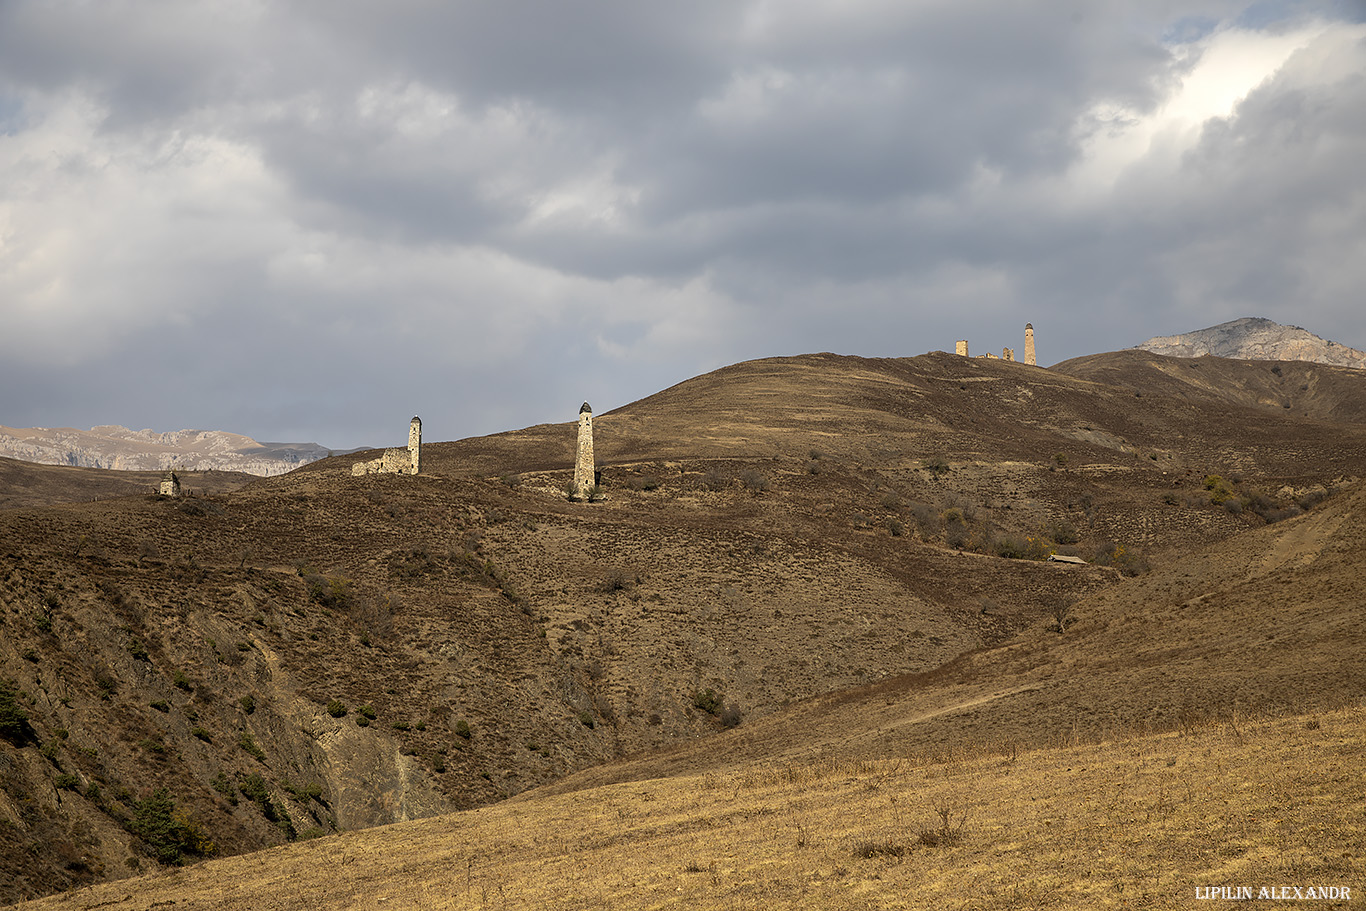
<point x="308" y="221"/>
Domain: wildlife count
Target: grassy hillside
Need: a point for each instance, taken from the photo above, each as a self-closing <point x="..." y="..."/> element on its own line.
<point x="1134" y="821"/>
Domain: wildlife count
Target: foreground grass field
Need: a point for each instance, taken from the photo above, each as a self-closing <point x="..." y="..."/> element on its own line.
<point x="1140" y="822"/>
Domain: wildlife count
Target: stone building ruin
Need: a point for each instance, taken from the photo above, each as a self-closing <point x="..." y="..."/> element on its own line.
<point x="396" y="461"/>
<point x="1007" y="354"/>
<point x="170" y="485"/>
<point x="585" y="476"/>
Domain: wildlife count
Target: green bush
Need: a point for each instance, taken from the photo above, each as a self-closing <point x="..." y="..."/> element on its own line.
<point x="167" y="833"/>
<point x="202" y="734"/>
<point x="366" y="712"/>
<point x="336" y="708"/>
<point x="462" y="729"/>
<point x="13" y="720"/>
<point x="248" y="703"/>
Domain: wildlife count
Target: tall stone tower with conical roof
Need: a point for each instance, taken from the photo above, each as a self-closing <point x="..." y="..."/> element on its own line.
<point x="584" y="474"/>
<point x="1029" y="344"/>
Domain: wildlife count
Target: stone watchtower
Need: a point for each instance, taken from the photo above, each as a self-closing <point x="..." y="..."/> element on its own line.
<point x="415" y="443"/>
<point x="584" y="476"/>
<point x="1029" y="344"/>
<point x="961" y="349"/>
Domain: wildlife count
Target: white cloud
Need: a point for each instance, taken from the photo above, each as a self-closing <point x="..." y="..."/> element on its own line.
<point x="1206" y="79"/>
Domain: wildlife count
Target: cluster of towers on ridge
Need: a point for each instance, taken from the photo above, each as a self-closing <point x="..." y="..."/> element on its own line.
<point x="1007" y="354"/>
<point x="585" y="483"/>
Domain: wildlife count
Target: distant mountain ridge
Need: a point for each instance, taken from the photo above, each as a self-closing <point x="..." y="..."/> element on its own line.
<point x="122" y="449"/>
<point x="1259" y="339"/>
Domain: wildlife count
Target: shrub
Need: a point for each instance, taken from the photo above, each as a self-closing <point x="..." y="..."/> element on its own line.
<point x="202" y="734"/>
<point x="161" y="705"/>
<point x="336" y="708"/>
<point x="462" y="729"/>
<point x="935" y="465"/>
<point x="249" y="745"/>
<point x="182" y="682"/>
<point x="13" y="720"/>
<point x="946" y="834"/>
<point x="67" y="782"/>
<point x="168" y="834"/>
<point x="716" y="479"/>
<point x="708" y="701"/>
<point x="332" y="593"/>
<point x="754" y="480"/>
<point x="248" y="703"/>
<point x="221" y="784"/>
<point x="366" y="712"/>
<point x="138" y="650"/>
<point x="1063" y="532"/>
<point x="586" y="719"/>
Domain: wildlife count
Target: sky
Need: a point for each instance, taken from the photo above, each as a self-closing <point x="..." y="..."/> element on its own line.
<point x="309" y="220"/>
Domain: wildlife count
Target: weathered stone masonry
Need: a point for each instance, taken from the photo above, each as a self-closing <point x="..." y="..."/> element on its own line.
<point x="396" y="461"/>
<point x="585" y="477"/>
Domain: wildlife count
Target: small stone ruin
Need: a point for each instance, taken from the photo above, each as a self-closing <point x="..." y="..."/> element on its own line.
<point x="170" y="485"/>
<point x="396" y="461"/>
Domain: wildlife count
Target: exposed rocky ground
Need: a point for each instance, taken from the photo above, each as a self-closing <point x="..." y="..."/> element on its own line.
<point x="122" y="449"/>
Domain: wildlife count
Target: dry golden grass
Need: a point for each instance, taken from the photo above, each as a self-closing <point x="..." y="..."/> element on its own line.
<point x="1134" y="822"/>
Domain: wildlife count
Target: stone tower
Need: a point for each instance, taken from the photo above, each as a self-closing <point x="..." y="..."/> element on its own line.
<point x="962" y="349"/>
<point x="415" y="443"/>
<point x="170" y="485"/>
<point x="584" y="477"/>
<point x="1029" y="344"/>
<point x="1007" y="354"/>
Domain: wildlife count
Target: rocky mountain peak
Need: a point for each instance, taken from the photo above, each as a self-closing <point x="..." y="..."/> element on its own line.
<point x="1256" y="338"/>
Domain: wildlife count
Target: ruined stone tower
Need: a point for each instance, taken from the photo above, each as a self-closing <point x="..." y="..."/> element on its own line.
<point x="415" y="443"/>
<point x="1029" y="344"/>
<point x="584" y="477"/>
<point x="962" y="349"/>
<point x="170" y="485"/>
<point x="396" y="461"/>
<point x="1007" y="354"/>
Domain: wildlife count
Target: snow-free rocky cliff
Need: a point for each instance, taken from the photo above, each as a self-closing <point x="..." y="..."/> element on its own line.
<point x="1257" y="339"/>
<point x="147" y="450"/>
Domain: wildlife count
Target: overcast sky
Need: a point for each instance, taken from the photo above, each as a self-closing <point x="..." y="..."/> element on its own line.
<point x="311" y="220"/>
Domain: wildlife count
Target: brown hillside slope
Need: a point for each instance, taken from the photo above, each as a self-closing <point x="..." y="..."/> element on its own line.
<point x="1317" y="391"/>
<point x="776" y="531"/>
<point x="1267" y="623"/>
<point x="25" y="484"/>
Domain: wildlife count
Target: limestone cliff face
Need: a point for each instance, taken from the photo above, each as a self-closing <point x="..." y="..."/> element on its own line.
<point x="122" y="449"/>
<point x="1254" y="338"/>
